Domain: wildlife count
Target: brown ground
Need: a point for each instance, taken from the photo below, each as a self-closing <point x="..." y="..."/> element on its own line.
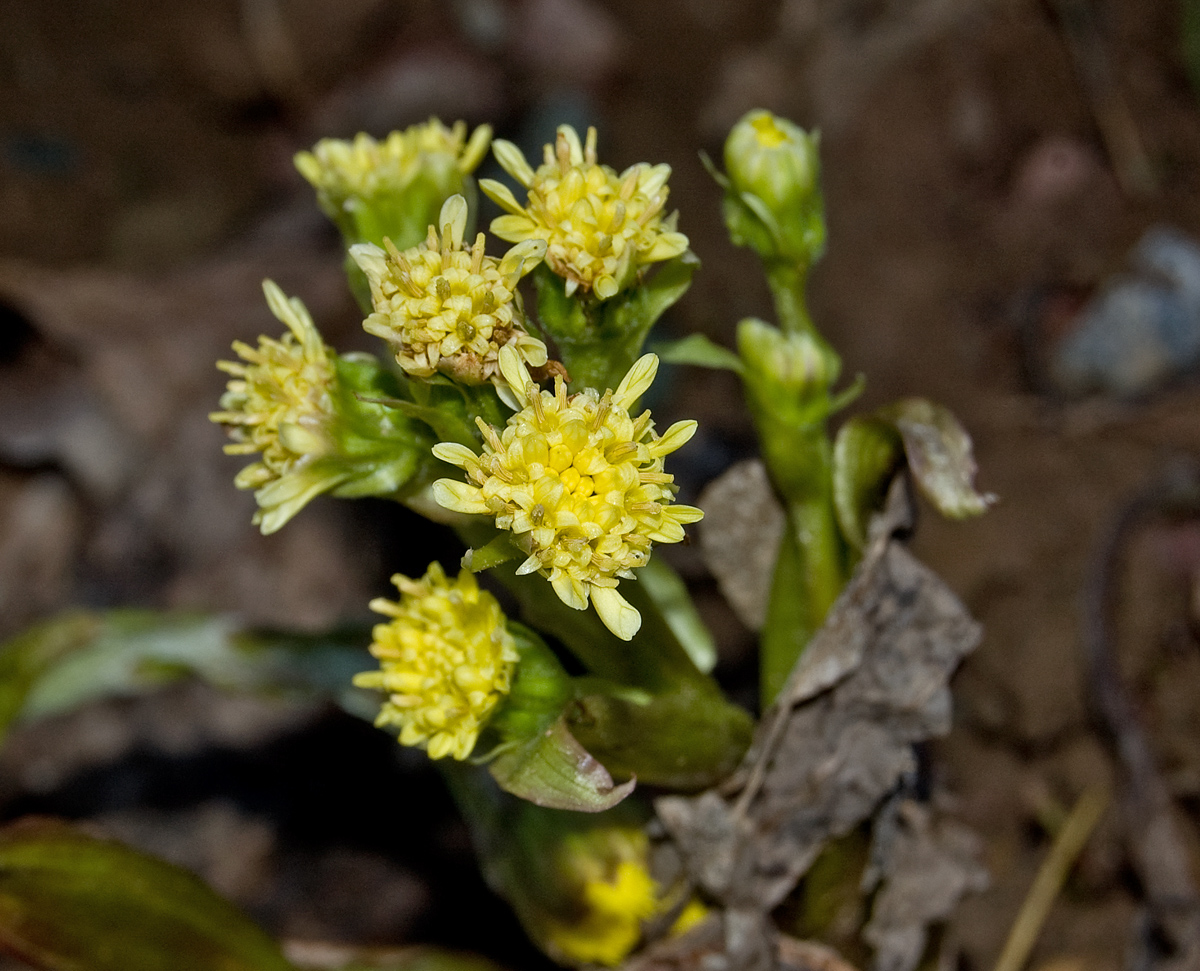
<point x="145" y="179"/>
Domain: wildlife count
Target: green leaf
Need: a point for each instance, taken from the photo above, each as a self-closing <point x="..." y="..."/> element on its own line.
<point x="665" y="587"/>
<point x="687" y="739"/>
<point x="698" y="350"/>
<point x="70" y="902"/>
<point x="554" y="771"/>
<point x="660" y="292"/>
<point x="866" y="454"/>
<point x="82" y="656"/>
<point x="28" y="655"/>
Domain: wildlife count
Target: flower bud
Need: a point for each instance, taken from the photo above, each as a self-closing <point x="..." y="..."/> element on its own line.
<point x="773" y="200"/>
<point x="798" y="367"/>
<point x="394" y="187"/>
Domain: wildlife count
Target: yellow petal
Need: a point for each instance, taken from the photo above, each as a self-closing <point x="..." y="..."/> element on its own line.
<point x="512" y="160"/>
<point x="500" y="194"/>
<point x="635" y="383"/>
<point x="453" y="219"/>
<point x="459" y="497"/>
<point x="515" y="229"/>
<point x="675" y="437"/>
<point x="569" y="591"/>
<point x="618" y="615"/>
<point x="513" y="370"/>
<point x="455" y="454"/>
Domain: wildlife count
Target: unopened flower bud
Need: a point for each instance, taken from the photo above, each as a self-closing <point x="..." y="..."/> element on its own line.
<point x="773" y="198"/>
<point x="798" y="366"/>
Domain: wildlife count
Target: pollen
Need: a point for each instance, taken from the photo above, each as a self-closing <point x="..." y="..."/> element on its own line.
<point x="446" y="307"/>
<point x="601" y="228"/>
<point x="579" y="483"/>
<point x="446" y="660"/>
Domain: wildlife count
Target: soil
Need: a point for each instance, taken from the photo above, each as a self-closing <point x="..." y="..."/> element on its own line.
<point x="973" y="189"/>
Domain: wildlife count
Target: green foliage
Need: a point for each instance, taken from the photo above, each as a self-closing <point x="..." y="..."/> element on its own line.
<point x="70" y="902"/>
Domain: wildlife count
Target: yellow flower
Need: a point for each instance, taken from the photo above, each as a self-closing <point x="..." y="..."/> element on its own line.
<point x="580" y="484"/>
<point x="446" y="308"/>
<point x="279" y="404"/>
<point x="341" y="170"/>
<point x="446" y="659"/>
<point x="602" y="228"/>
<point x="611" y="924"/>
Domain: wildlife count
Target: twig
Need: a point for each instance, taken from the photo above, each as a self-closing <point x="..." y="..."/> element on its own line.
<point x="1068" y="844"/>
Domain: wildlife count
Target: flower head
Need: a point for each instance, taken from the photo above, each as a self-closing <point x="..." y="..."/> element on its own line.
<point x="279" y="404"/>
<point x="773" y="197"/>
<point x="446" y="659"/>
<point x="450" y="309"/>
<point x="579" y="482"/>
<point x="616" y="895"/>
<point x="347" y="173"/>
<point x="601" y="228"/>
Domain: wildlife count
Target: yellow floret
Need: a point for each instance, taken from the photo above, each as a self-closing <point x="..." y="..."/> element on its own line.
<point x="362" y="168"/>
<point x="579" y="482"/>
<point x="601" y="228"/>
<point x="446" y="308"/>
<point x="446" y="660"/>
<point x="614" y="907"/>
<point x="279" y="404"/>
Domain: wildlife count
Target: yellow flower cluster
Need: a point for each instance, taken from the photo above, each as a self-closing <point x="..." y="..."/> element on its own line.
<point x="450" y="309"/>
<point x="579" y="482"/>
<point x="446" y="659"/>
<point x="601" y="227"/>
<point x="364" y="167"/>
<point x="614" y="906"/>
<point x="279" y="404"/>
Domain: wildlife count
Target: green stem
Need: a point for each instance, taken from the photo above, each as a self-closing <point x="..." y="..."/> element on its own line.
<point x="788" y="283"/>
<point x="809" y="574"/>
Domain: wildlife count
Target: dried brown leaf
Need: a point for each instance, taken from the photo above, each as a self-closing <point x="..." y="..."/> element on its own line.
<point x="923" y="866"/>
<point x="873" y="682"/>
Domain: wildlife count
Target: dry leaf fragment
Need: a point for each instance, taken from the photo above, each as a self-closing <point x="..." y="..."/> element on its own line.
<point x="873" y="682"/>
<point x="922" y="867"/>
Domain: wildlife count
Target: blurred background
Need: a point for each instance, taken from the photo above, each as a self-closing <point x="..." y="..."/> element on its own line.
<point x="1012" y="190"/>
